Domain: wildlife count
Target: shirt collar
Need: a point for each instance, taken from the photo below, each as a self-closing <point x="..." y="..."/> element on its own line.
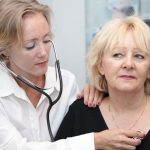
<point x="9" y="85"/>
<point x="51" y="81"/>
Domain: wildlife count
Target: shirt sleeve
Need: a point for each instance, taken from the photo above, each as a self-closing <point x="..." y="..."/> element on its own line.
<point x="11" y="139"/>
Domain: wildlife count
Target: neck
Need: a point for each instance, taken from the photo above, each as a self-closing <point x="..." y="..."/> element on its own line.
<point x="127" y="101"/>
<point x="32" y="94"/>
<point x="127" y="110"/>
<point x="39" y="81"/>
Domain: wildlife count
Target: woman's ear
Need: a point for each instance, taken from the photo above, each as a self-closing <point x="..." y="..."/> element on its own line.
<point x="100" y="68"/>
<point x="2" y="52"/>
<point x="3" y="55"/>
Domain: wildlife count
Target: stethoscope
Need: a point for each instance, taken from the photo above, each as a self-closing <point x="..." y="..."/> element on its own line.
<point x="42" y="90"/>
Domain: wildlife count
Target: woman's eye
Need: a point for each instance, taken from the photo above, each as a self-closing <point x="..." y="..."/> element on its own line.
<point x="30" y="46"/>
<point x="117" y="55"/>
<point x="139" y="56"/>
<point x="47" y="41"/>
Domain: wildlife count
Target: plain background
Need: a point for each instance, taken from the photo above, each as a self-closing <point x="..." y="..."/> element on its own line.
<point x="69" y="35"/>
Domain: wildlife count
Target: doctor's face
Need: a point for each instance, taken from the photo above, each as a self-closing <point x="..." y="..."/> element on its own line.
<point x="126" y="67"/>
<point x="32" y="59"/>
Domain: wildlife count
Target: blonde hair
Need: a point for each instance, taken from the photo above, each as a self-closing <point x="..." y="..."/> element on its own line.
<point x="107" y="38"/>
<point x="11" y="16"/>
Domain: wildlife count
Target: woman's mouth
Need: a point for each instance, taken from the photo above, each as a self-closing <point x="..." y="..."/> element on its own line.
<point x="42" y="64"/>
<point x="127" y="77"/>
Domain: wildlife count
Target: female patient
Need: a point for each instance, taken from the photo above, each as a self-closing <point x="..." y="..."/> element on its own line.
<point x="25" y="47"/>
<point x="119" y="64"/>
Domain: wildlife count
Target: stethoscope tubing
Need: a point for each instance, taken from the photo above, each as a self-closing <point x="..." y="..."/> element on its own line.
<point x="41" y="90"/>
<point x="51" y="103"/>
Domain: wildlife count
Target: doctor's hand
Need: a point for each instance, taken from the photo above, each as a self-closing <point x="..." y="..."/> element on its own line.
<point x="92" y="96"/>
<point x="118" y="139"/>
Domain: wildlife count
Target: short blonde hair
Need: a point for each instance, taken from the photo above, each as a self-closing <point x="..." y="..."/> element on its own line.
<point x="107" y="38"/>
<point x="11" y="19"/>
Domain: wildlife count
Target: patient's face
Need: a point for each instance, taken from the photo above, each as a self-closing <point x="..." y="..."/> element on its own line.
<point x="126" y="67"/>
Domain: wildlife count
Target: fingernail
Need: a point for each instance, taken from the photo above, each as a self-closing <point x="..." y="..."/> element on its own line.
<point x="85" y="102"/>
<point x="94" y="105"/>
<point x="89" y="104"/>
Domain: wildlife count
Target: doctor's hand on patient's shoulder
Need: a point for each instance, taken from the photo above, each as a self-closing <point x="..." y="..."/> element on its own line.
<point x="92" y="96"/>
<point x="118" y="139"/>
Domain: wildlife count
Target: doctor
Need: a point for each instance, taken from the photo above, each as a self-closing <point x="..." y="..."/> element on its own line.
<point x="25" y="45"/>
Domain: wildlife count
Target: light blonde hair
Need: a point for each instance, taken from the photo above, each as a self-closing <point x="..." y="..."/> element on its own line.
<point x="107" y="38"/>
<point x="11" y="19"/>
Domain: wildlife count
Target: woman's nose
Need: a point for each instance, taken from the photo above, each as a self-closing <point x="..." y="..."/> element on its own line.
<point x="42" y="50"/>
<point x="128" y="62"/>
